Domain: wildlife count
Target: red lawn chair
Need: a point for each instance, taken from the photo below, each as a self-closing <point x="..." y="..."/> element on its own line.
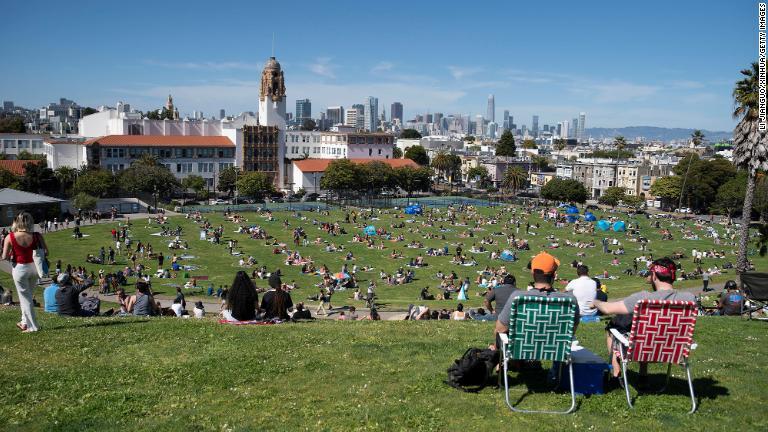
<point x="662" y="332"/>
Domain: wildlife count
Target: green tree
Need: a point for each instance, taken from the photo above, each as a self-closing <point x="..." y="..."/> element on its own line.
<point x="417" y="154"/>
<point x="26" y="155"/>
<point x="469" y="138"/>
<point x="193" y="182"/>
<point x="479" y="175"/>
<point x="38" y="178"/>
<point x="529" y="144"/>
<point x="697" y="137"/>
<point x="564" y="190"/>
<point x="606" y="154"/>
<point x="619" y="143"/>
<point x="667" y="189"/>
<point x="541" y="163"/>
<point x="410" y="134"/>
<point x="376" y="176"/>
<point x="760" y="200"/>
<point x="83" y="201"/>
<point x="153" y="115"/>
<point x="730" y="195"/>
<point x="12" y="124"/>
<point x="397" y="153"/>
<point x="341" y="176"/>
<point x="8" y="179"/>
<point x="228" y="180"/>
<point x="515" y="178"/>
<point x="255" y="184"/>
<point x="88" y="111"/>
<point x="560" y="144"/>
<point x="66" y="177"/>
<point x="308" y="125"/>
<point x="750" y="152"/>
<point x="148" y="179"/>
<point x="506" y="144"/>
<point x="612" y="196"/>
<point x="413" y="179"/>
<point x="95" y="182"/>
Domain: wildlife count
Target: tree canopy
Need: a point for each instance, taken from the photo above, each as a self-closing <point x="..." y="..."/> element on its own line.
<point x="148" y="179"/>
<point x="255" y="184"/>
<point x="12" y="124"/>
<point x="228" y="180"/>
<point x="410" y="134"/>
<point x="95" y="182"/>
<point x="506" y="144"/>
<point x="340" y="176"/>
<point x="413" y="179"/>
<point x="564" y="190"/>
<point x="417" y="154"/>
<point x="612" y="196"/>
<point x="397" y="153"/>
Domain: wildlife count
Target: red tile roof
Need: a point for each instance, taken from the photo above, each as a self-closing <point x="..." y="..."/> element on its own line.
<point x="161" y="141"/>
<point x="319" y="165"/>
<point x="16" y="166"/>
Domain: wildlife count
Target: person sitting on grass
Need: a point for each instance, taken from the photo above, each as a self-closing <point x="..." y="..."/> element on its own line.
<point x="199" y="310"/>
<point x="301" y="312"/>
<point x="68" y="295"/>
<point x="276" y="303"/>
<point x="242" y="300"/>
<point x="584" y="288"/>
<point x="731" y="301"/>
<point x="49" y="297"/>
<point x="661" y="277"/>
<point x="143" y="302"/>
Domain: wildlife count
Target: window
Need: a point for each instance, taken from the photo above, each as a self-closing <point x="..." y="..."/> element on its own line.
<point x="37" y="144"/>
<point x="9" y="143"/>
<point x="23" y="144"/>
<point x="370" y="152"/>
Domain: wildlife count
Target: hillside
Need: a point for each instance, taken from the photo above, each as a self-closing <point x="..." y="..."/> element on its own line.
<point x="655" y="133"/>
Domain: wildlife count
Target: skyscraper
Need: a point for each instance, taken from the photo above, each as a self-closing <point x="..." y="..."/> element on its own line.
<point x="222" y="114"/>
<point x="335" y="115"/>
<point x="491" y="112"/>
<point x="574" y="128"/>
<point x="580" y="131"/>
<point x="396" y="112"/>
<point x="506" y="124"/>
<point x="564" y="129"/>
<point x="428" y="118"/>
<point x="371" y="109"/>
<point x="437" y="118"/>
<point x="303" y="110"/>
<point x="479" y="125"/>
<point x="535" y="127"/>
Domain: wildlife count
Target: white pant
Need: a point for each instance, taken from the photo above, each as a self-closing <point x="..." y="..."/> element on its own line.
<point x="25" y="277"/>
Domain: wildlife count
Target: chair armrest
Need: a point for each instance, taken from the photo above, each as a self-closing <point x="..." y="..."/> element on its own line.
<point x="619" y="337"/>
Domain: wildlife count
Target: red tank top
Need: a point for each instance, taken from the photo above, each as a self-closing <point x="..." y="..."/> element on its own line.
<point x="21" y="254"/>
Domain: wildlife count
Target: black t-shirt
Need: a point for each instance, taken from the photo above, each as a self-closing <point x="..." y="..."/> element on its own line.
<point x="68" y="298"/>
<point x="270" y="306"/>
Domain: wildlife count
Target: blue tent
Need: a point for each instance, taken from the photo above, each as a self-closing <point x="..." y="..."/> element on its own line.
<point x="589" y="217"/>
<point x="619" y="226"/>
<point x="572" y="210"/>
<point x="506" y="255"/>
<point x="603" y="225"/>
<point x="369" y="230"/>
<point x="413" y="209"/>
<point x="572" y="218"/>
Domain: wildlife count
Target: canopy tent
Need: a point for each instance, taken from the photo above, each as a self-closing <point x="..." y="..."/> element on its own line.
<point x="589" y="217"/>
<point x="572" y="210"/>
<point x="413" y="209"/>
<point x="572" y="218"/>
<point x="619" y="226"/>
<point x="507" y="255"/>
<point x="603" y="225"/>
<point x="369" y="230"/>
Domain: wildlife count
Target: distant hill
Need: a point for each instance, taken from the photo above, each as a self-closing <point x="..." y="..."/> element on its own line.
<point x="655" y="133"/>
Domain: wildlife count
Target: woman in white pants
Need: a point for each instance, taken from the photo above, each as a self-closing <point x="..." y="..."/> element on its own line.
<point x="18" y="247"/>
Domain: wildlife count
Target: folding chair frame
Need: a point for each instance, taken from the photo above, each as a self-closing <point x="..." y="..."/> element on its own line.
<point x="505" y="362"/>
<point x="621" y="345"/>
<point x="566" y="359"/>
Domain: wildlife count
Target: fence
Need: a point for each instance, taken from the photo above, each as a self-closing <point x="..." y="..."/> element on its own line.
<point x="273" y="206"/>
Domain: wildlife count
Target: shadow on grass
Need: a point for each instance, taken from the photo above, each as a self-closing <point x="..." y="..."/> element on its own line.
<point x="100" y="322"/>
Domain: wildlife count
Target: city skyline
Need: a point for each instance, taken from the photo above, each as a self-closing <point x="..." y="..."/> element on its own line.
<point x="620" y="77"/>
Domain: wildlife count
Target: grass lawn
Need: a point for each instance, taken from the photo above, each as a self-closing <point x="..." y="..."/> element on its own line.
<point x="173" y="374"/>
<point x="215" y="262"/>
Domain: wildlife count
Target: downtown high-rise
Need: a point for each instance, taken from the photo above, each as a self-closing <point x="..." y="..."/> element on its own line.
<point x="371" y="109"/>
<point x="303" y="110"/>
<point x="490" y="114"/>
<point x="396" y="112"/>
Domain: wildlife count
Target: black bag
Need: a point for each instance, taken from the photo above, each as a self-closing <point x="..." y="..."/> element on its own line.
<point x="470" y="373"/>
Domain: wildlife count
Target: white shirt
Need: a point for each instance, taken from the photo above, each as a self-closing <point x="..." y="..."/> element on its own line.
<point x="176" y="309"/>
<point x="585" y="290"/>
<point x="198" y="312"/>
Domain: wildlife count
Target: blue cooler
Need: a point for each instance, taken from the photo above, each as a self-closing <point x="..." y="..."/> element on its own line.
<point x="588" y="370"/>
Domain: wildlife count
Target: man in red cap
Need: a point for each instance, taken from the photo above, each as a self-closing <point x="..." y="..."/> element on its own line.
<point x="661" y="277"/>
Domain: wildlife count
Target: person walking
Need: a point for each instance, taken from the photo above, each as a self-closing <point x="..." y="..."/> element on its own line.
<point x="18" y="247"/>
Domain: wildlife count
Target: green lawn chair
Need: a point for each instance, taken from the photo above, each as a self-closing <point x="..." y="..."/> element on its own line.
<point x="540" y="328"/>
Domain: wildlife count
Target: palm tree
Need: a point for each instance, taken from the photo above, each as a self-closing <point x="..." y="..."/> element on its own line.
<point x="559" y="146"/>
<point x="697" y="137"/>
<point x="750" y="150"/>
<point x="514" y="179"/>
<point x="620" y="144"/>
<point x="66" y="177"/>
<point x="442" y="163"/>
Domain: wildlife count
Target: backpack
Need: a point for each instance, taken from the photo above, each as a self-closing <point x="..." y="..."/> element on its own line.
<point x="470" y="373"/>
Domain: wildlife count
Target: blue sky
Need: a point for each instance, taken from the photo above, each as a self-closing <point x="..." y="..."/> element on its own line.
<point x="665" y="63"/>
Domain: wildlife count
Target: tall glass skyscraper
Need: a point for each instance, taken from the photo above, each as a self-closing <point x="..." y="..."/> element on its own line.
<point x="371" y="107"/>
<point x="303" y="110"/>
<point x="490" y="115"/>
<point x="396" y="112"/>
<point x="580" y="130"/>
<point x="535" y="127"/>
